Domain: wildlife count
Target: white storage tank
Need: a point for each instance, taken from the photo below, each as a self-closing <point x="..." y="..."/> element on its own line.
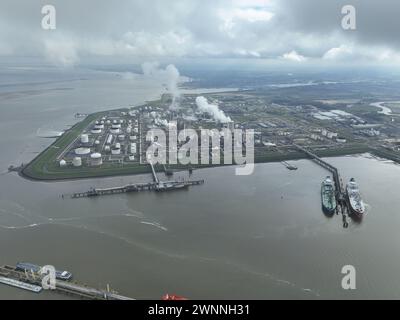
<point x="115" y="151"/>
<point x="84" y="138"/>
<point x="63" y="163"/>
<point x="96" y="159"/>
<point x="115" y="131"/>
<point x="82" y="151"/>
<point x="77" y="162"/>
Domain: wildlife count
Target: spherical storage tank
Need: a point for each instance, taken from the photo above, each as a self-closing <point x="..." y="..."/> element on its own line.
<point x="77" y="162"/>
<point x="84" y="138"/>
<point x="96" y="159"/>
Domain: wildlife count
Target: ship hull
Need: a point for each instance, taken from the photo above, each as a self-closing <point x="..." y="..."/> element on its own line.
<point x="355" y="212"/>
<point x="328" y="199"/>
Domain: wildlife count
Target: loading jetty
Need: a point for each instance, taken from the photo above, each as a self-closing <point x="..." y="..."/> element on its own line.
<point x="156" y="185"/>
<point x="343" y="204"/>
<point x="32" y="281"/>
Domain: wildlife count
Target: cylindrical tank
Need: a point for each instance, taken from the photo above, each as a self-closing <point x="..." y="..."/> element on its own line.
<point x="115" y="151"/>
<point x="82" y="151"/>
<point x="84" y="138"/>
<point x="63" y="163"/>
<point x="96" y="159"/>
<point x="96" y="131"/>
<point x="77" y="162"/>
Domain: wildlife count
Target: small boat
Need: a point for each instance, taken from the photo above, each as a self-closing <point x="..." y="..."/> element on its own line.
<point x="29" y="267"/>
<point x="20" y="284"/>
<point x="168" y="186"/>
<point x="172" y="297"/>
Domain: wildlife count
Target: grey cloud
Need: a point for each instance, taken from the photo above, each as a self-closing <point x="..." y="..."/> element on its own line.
<point x="177" y="28"/>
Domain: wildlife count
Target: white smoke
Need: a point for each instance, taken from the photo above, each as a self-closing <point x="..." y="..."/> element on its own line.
<point x="170" y="74"/>
<point x="212" y="109"/>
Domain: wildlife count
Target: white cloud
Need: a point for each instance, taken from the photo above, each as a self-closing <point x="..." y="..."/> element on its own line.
<point x="293" y="56"/>
<point x="193" y="28"/>
<point x="339" y="53"/>
<point x="61" y="51"/>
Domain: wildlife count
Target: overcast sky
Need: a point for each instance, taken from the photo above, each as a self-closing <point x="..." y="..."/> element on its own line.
<point x="297" y="31"/>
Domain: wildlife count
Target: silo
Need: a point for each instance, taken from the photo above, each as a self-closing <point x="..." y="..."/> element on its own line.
<point x="84" y="138"/>
<point x="115" y="151"/>
<point x="96" y="159"/>
<point x="77" y="162"/>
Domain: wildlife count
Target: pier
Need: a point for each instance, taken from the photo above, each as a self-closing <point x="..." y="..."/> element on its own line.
<point x="153" y="172"/>
<point x="30" y="281"/>
<point x="157" y="185"/>
<point x="343" y="205"/>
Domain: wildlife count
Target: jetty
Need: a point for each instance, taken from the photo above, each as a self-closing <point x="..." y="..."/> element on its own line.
<point x="32" y="281"/>
<point x="156" y="185"/>
<point x="343" y="204"/>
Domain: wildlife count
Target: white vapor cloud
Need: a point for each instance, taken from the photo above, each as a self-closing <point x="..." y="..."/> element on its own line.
<point x="170" y="74"/>
<point x="212" y="109"/>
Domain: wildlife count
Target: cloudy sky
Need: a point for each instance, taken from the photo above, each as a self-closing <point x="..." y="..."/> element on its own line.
<point x="297" y="31"/>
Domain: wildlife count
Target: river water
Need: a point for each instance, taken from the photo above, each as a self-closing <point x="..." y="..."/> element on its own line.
<point x="261" y="236"/>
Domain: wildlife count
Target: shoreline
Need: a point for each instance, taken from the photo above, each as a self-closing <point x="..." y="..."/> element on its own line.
<point x="146" y="170"/>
